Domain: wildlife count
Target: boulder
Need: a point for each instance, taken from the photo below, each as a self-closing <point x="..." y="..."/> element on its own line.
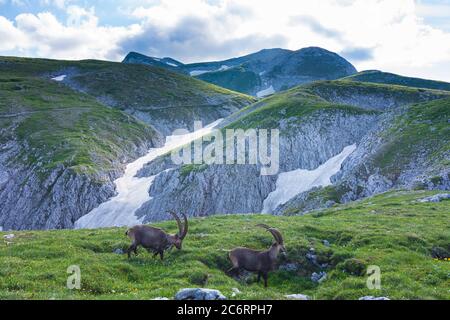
<point x="436" y="198"/>
<point x="199" y="294"/>
<point x="319" y="277"/>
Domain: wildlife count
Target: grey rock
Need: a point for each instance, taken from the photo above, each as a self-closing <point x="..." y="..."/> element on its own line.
<point x="199" y="294"/>
<point x="290" y="267"/>
<point x="118" y="251"/>
<point x="372" y="298"/>
<point x="319" y="277"/>
<point x="326" y="243"/>
<point x="30" y="202"/>
<point x="298" y="296"/>
<point x="436" y="198"/>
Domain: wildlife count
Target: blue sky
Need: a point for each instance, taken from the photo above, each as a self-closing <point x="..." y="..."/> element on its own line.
<point x="403" y="36"/>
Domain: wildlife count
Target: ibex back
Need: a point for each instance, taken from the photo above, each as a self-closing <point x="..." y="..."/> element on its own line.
<point x="258" y="261"/>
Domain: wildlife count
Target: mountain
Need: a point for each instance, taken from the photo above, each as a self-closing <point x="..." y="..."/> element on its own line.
<point x="390" y="78"/>
<point x="319" y="124"/>
<point x="69" y="127"/>
<point x="261" y="73"/>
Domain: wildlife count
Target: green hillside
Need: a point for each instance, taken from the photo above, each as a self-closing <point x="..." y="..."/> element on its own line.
<point x="127" y="85"/>
<point x="376" y="76"/>
<point x="394" y="231"/>
<point x="293" y="104"/>
<point x="54" y="125"/>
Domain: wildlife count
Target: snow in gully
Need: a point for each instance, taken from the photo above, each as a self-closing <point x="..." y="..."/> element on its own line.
<point x="292" y="183"/>
<point x="132" y="191"/>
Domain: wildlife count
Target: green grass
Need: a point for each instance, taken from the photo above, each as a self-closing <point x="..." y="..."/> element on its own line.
<point x="392" y="230"/>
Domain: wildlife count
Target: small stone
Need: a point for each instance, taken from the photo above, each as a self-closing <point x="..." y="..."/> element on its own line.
<point x="199" y="294"/>
<point x="319" y="277"/>
<point x="326" y="243"/>
<point x="9" y="236"/>
<point x="298" y="297"/>
<point x="119" y="251"/>
<point x="289" y="267"/>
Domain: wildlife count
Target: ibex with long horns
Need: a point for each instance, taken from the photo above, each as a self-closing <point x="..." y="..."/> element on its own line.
<point x="258" y="261"/>
<point x="156" y="240"/>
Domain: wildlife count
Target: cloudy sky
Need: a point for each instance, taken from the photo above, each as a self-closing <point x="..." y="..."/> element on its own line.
<point x="410" y="37"/>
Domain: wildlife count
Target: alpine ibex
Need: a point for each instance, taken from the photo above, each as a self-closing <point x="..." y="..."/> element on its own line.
<point x="258" y="261"/>
<point x="156" y="240"/>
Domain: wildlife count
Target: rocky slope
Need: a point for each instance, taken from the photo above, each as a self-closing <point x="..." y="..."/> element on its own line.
<point x="408" y="149"/>
<point x="60" y="152"/>
<point x="62" y="145"/>
<point x="308" y="127"/>
<point x="261" y="73"/>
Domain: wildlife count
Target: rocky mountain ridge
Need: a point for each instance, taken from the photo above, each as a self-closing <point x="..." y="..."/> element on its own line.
<point x="261" y="73"/>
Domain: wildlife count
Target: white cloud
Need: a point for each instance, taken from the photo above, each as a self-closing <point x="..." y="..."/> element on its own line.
<point x="81" y="37"/>
<point x="382" y="34"/>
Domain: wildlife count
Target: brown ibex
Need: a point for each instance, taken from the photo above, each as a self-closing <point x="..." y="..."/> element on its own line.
<point x="156" y="240"/>
<point x="258" y="261"/>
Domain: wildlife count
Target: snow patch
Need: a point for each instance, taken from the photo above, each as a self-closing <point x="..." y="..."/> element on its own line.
<point x="132" y="191"/>
<point x="265" y="92"/>
<point x="292" y="183"/>
<point x="198" y="72"/>
<point x="171" y="64"/>
<point x="59" y="78"/>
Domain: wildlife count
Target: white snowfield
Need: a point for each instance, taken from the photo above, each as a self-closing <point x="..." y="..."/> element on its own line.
<point x="171" y="64"/>
<point x="292" y="183"/>
<point x="265" y="92"/>
<point x="199" y="72"/>
<point x="132" y="192"/>
<point x="59" y="78"/>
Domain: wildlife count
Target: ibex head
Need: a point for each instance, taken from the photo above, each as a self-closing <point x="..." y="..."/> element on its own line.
<point x="177" y="239"/>
<point x="278" y="243"/>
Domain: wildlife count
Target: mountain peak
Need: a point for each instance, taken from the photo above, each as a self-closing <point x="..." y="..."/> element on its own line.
<point x="268" y="70"/>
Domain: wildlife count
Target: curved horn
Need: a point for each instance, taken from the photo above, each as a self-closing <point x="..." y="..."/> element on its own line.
<point x="278" y="233"/>
<point x="275" y="233"/>
<point x="185" y="228"/>
<point x="180" y="227"/>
